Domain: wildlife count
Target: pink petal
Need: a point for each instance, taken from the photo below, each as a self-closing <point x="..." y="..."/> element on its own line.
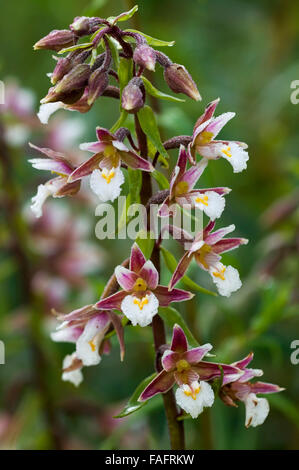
<point x="86" y="168"/>
<point x="191" y="176"/>
<point x="262" y="387"/>
<point x="112" y="302"/>
<point x="137" y="259"/>
<point x="169" y="360"/>
<point x="150" y="274"/>
<point x="179" y="342"/>
<point x="104" y="135"/>
<point x="244" y="362"/>
<point x="208" y="113"/>
<point x="208" y="228"/>
<point x="165" y="296"/>
<point x="193" y="356"/>
<point x="51" y="165"/>
<point x="214" y="237"/>
<point x="135" y="161"/>
<point x="219" y="190"/>
<point x="67" y="189"/>
<point x="219" y="122"/>
<point x="161" y="384"/>
<point x="228" y="244"/>
<point x="180" y="269"/>
<point x="94" y="147"/>
<point x="211" y="370"/>
<point x="125" y="278"/>
<point x="119" y="329"/>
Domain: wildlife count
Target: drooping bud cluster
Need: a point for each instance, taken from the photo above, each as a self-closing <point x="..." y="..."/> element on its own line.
<point x="82" y="75"/>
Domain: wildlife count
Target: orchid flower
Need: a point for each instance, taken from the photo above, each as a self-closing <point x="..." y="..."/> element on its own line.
<point x="257" y="409"/>
<point x="104" y="166"/>
<point x="210" y="201"/>
<point x="203" y="141"/>
<point x="141" y="295"/>
<point x="206" y="248"/>
<point x="86" y="327"/>
<point x="56" y="187"/>
<point x="185" y="367"/>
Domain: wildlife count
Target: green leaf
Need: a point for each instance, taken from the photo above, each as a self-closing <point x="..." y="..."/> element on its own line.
<point x="161" y="179"/>
<point x="172" y="263"/>
<point x="85" y="45"/>
<point x="159" y="94"/>
<point x="150" y="128"/>
<point x="133" y="403"/>
<point x="135" y="183"/>
<point x="125" y="72"/>
<point x="120" y="122"/>
<point x="114" y="51"/>
<point x="123" y="16"/>
<point x="146" y="242"/>
<point x="171" y="317"/>
<point x="152" y="41"/>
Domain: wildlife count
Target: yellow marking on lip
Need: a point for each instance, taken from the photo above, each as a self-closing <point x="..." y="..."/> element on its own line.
<point x="192" y="393"/>
<point x="220" y="273"/>
<point x="227" y="152"/>
<point x="203" y="200"/>
<point x="140" y="285"/>
<point x="141" y="303"/>
<point x="92" y="345"/>
<point x="108" y="177"/>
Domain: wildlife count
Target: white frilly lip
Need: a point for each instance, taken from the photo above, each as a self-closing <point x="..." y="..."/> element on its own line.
<point x="74" y="376"/>
<point x="229" y="283"/>
<point x="106" y="184"/>
<point x="257" y="410"/>
<point x="140" y="311"/>
<point x="194" y="406"/>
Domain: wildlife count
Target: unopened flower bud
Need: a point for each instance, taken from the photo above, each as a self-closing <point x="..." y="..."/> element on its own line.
<point x="98" y="82"/>
<point x="145" y="56"/>
<point x="179" y="80"/>
<point x="65" y="64"/>
<point x="72" y="85"/>
<point x="80" y="25"/>
<point x="84" y="25"/>
<point x="57" y="40"/>
<point x="133" y="95"/>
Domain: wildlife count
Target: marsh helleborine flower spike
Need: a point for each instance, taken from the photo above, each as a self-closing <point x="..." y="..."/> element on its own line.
<point x="257" y="409"/>
<point x="203" y="141"/>
<point x="185" y="367"/>
<point x="141" y="295"/>
<point x="104" y="166"/>
<point x="182" y="182"/>
<point x="56" y="187"/>
<point x="206" y="249"/>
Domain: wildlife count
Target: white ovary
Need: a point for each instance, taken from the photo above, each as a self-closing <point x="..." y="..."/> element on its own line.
<point x="140" y="310"/>
<point x="74" y="376"/>
<point x="226" y="278"/>
<point x="106" y="184"/>
<point x="211" y="203"/>
<point x="193" y="399"/>
<point x="87" y="346"/>
<point x="257" y="410"/>
<point x="235" y="155"/>
<point x="43" y="192"/>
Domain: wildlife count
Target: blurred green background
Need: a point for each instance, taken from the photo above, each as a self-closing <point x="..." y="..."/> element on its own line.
<point x="245" y="52"/>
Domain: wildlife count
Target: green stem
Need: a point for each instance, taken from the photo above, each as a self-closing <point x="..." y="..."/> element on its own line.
<point x="175" y="427"/>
